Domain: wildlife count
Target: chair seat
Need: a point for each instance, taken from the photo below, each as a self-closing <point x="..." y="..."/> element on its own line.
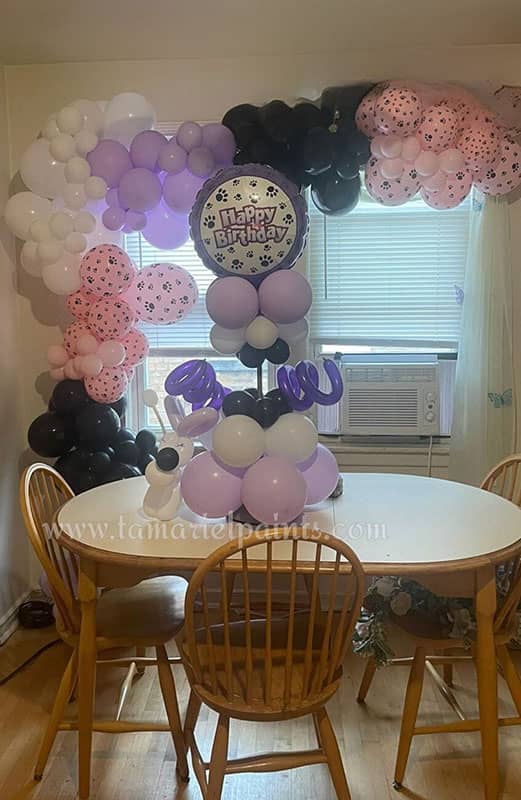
<point x="151" y="610"/>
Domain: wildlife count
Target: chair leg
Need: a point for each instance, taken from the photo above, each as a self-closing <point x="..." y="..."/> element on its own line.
<point x="329" y="744"/>
<point x="410" y="713"/>
<point x="219" y="758"/>
<point x="125" y="688"/>
<point x="367" y="679"/>
<point x="166" y="681"/>
<point x="448" y="674"/>
<point x="192" y="713"/>
<point x="511" y="675"/>
<point x="141" y="652"/>
<point x="63" y="694"/>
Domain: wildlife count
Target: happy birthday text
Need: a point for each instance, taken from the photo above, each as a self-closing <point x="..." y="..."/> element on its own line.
<point x="250" y="225"/>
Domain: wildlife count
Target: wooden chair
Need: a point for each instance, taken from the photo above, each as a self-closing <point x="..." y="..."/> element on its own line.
<point x="147" y="615"/>
<point x="505" y="479"/>
<point x="281" y="665"/>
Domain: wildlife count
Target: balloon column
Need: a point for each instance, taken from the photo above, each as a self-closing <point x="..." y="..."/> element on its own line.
<point x="249" y="226"/>
<point x="88" y="439"/>
<point x="98" y="170"/>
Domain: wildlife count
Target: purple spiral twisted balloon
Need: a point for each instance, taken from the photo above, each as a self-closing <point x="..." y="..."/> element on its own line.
<point x="196" y="382"/>
<point x="300" y="384"/>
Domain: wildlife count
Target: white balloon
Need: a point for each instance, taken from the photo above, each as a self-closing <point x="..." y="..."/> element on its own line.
<point x="238" y="441"/>
<point x="74" y="196"/>
<point x="85" y="141"/>
<point x="50" y="252"/>
<point x="30" y="260"/>
<point x="92" y="114"/>
<point x="62" y="147"/>
<point x="40" y="231"/>
<point x="69" y="120"/>
<point x="294" y="332"/>
<point x="84" y="222"/>
<point x="42" y="173"/>
<point x="50" y="130"/>
<point x="262" y="333"/>
<point x="101" y="235"/>
<point x="75" y="242"/>
<point x="126" y="115"/>
<point x="61" y="224"/>
<point x="23" y="209"/>
<point x="77" y="170"/>
<point x="64" y="276"/>
<point x="226" y="341"/>
<point x="292" y="436"/>
<point x="95" y="188"/>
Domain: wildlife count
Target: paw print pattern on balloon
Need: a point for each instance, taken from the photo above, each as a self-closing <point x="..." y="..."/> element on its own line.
<point x="222" y="196"/>
<point x="397" y="111"/>
<point x="106" y="271"/>
<point x="111" y="319"/>
<point x="390" y="192"/>
<point x="209" y="221"/>
<point x="272" y="191"/>
<point x="266" y="261"/>
<point x="72" y="333"/>
<point x="80" y="302"/>
<point x="503" y="175"/>
<point x="439" y="128"/>
<point x="162" y="294"/>
<point x="480" y="146"/>
<point x="108" y="386"/>
<point x="136" y="347"/>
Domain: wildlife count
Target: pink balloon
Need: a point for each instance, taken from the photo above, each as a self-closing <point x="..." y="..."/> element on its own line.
<point x="136" y="348"/>
<point x="427" y="163"/>
<point x="398" y="111"/>
<point x="452" y="161"/>
<point x="411" y="149"/>
<point x="91" y="365"/>
<point x="71" y="371"/>
<point x="107" y="387"/>
<point x="111" y="319"/>
<point x="505" y="174"/>
<point x="57" y="374"/>
<point x="392" y="168"/>
<point x="364" y="116"/>
<point x="274" y="491"/>
<point x="285" y="296"/>
<point x="111" y="353"/>
<point x="387" y="192"/>
<point x="391" y="146"/>
<point x="439" y="128"/>
<point x="57" y="355"/>
<point x="162" y="294"/>
<point x="130" y="372"/>
<point x="86" y="344"/>
<point x="376" y="149"/>
<point x="106" y="270"/>
<point x="321" y="476"/>
<point x="165" y="229"/>
<point x="208" y="488"/>
<point x="457" y="188"/>
<point x="480" y="146"/>
<point x="232" y="302"/>
<point x="74" y="332"/>
<point x="436" y="182"/>
<point x="79" y="303"/>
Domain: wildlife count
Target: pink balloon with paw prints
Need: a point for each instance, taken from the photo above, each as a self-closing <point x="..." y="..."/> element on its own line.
<point x="162" y="294"/>
<point x="106" y="271"/>
<point x="111" y="319"/>
<point x="74" y="332"/>
<point x="79" y="303"/>
<point x="136" y="346"/>
<point x="107" y="387"/>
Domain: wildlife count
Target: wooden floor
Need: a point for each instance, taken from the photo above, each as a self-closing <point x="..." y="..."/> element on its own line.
<point x="141" y="766"/>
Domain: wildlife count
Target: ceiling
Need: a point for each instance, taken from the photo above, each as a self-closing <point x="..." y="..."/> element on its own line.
<point x="46" y="31"/>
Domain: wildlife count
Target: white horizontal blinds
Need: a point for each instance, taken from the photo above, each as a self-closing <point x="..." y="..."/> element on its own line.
<point x="192" y="332"/>
<point x="387" y="276"/>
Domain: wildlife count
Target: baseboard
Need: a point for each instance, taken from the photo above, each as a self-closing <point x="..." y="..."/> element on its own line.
<point x="9" y="621"/>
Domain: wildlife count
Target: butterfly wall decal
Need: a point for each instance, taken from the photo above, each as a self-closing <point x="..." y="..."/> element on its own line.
<point x="500" y="400"/>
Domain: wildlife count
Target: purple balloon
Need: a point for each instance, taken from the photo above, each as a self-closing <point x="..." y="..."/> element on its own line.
<point x="189" y="135"/>
<point x="288" y="384"/>
<point x="165" y="229"/>
<point x="221" y="141"/>
<point x="274" y="491"/>
<point x="139" y="189"/>
<point x="145" y="149"/>
<point x="172" y="158"/>
<point x="109" y="160"/>
<point x="308" y="378"/>
<point x="232" y="302"/>
<point x="111" y="198"/>
<point x="285" y="296"/>
<point x="303" y="465"/>
<point x="321" y="477"/>
<point x="180" y="191"/>
<point x="135" y="220"/>
<point x="201" y="162"/>
<point x="113" y="219"/>
<point x="209" y="489"/>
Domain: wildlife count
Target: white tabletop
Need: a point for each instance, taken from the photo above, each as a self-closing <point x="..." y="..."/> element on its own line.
<point x="387" y="519"/>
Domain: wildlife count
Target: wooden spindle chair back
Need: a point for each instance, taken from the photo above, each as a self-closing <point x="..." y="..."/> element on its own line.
<point x="42" y="492"/>
<point x="505" y="479"/>
<point x="290" y="660"/>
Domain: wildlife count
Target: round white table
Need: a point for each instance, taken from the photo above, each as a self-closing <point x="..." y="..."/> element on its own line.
<point x="446" y="535"/>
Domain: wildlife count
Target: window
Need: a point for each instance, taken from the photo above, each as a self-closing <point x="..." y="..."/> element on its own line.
<point x="388" y="279"/>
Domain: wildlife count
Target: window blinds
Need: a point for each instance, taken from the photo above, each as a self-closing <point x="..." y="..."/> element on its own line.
<point x="388" y="276"/>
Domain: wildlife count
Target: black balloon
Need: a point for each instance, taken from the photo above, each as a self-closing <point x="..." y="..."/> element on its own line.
<point x="98" y="463"/>
<point x="244" y="123"/>
<point x="146" y="442"/>
<point x="50" y="435"/>
<point x="144" y="461"/>
<point x="69" y="396"/>
<point x="123" y="435"/>
<point x="335" y="196"/>
<point x="120" y="406"/>
<point x="127" y="452"/>
<point x="238" y="403"/>
<point x="109" y="451"/>
<point x="316" y="151"/>
<point x="167" y="458"/>
<point x="253" y="391"/>
<point x="97" y="425"/>
<point x="347" y="167"/>
<point x="119" y="472"/>
<point x="344" y="100"/>
<point x="71" y="466"/>
<point x="266" y="412"/>
<point x="277" y="396"/>
<point x="278" y="353"/>
<point x="250" y="356"/>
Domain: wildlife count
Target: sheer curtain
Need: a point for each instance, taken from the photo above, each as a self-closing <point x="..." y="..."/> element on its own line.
<point x="484" y="426"/>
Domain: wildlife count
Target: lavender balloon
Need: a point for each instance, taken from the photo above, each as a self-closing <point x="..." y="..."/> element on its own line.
<point x="172" y="158"/>
<point x="232" y="302"/>
<point x="135" y="220"/>
<point x="221" y="141"/>
<point x="113" y="219"/>
<point x="209" y="489"/>
<point x="109" y="160"/>
<point x="139" y="189"/>
<point x="274" y="491"/>
<point x="321" y="476"/>
<point x="180" y="191"/>
<point x="111" y="198"/>
<point x="145" y="149"/>
<point x="189" y="135"/>
<point x="201" y="162"/>
<point x="165" y="229"/>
